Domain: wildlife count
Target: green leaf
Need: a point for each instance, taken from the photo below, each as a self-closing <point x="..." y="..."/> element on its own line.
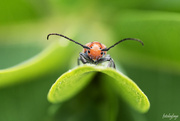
<point x="158" y="30"/>
<point x="73" y="81"/>
<point x="50" y="59"/>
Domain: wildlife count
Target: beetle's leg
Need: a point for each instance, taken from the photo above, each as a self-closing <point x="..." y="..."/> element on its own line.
<point x="111" y="63"/>
<point x="107" y="58"/>
<point x="78" y="61"/>
<point x="84" y="58"/>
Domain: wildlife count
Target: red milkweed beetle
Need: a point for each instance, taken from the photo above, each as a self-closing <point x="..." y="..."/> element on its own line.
<point x="95" y="52"/>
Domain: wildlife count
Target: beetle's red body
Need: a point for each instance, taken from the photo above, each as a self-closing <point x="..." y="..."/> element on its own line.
<point x="95" y="50"/>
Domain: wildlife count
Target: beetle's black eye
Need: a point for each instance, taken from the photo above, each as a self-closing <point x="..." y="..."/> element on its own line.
<point x="101" y="53"/>
<point x="88" y="51"/>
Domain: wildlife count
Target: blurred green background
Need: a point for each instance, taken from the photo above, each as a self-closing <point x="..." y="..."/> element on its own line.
<point x="24" y="25"/>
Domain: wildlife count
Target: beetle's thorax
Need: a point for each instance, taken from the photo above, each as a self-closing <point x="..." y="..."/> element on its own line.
<point x="95" y="52"/>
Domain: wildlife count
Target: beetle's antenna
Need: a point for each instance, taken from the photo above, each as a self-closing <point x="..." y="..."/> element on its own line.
<point x="86" y="47"/>
<point x="106" y="49"/>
